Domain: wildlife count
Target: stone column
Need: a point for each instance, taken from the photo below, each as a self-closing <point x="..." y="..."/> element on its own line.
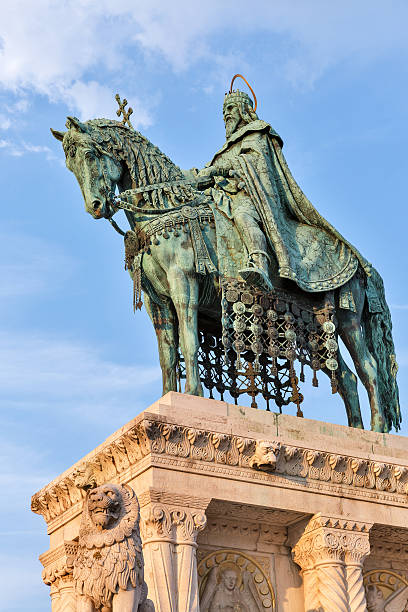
<point x="357" y="550"/>
<point x="57" y="574"/>
<point x="188" y="524"/>
<point x="159" y="556"/>
<point x="330" y="553"/>
<point x="169" y="535"/>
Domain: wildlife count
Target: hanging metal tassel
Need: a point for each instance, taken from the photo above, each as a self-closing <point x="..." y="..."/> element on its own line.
<point x="296" y="397"/>
<point x="334" y="382"/>
<point x="137" y="283"/>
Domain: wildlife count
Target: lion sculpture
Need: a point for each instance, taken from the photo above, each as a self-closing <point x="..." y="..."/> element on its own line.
<point x="109" y="567"/>
<point x="265" y="456"/>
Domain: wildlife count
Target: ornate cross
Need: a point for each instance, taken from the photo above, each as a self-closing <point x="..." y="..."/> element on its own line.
<point x="122" y="111"/>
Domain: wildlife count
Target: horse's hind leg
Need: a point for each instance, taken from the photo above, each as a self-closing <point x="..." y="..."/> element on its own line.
<point x="352" y="335"/>
<point x="347" y="387"/>
<point x="164" y="320"/>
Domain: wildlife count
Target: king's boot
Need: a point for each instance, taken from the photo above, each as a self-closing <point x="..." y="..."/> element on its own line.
<point x="256" y="272"/>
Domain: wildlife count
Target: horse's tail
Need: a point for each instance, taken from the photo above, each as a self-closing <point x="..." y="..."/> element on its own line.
<point x="377" y="326"/>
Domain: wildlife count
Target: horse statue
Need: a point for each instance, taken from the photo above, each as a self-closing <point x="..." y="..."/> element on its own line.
<point x="181" y="246"/>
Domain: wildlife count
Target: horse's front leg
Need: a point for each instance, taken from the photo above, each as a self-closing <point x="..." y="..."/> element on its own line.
<point x="184" y="294"/>
<point x="347" y="387"/>
<point x="164" y="320"/>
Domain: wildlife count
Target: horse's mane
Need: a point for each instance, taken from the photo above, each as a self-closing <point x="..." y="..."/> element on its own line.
<point x="145" y="162"/>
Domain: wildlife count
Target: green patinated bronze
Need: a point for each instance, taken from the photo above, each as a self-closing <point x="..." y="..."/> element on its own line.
<point x="241" y="217"/>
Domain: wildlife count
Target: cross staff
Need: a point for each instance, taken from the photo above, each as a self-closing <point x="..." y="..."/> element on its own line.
<point x="122" y="111"/>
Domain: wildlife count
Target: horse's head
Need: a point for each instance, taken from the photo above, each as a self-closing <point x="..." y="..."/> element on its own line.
<point x="96" y="170"/>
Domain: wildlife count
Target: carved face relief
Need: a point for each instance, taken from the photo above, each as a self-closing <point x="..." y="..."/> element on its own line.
<point x="230" y="579"/>
<point x="104" y="506"/>
<point x="232" y="118"/>
<point x="386" y="591"/>
<point x="375" y="599"/>
<point x="265" y="456"/>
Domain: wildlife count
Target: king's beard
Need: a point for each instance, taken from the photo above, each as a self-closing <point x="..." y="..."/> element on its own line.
<point x="231" y="125"/>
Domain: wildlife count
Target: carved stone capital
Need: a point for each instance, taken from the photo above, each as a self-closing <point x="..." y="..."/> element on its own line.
<point x="330" y="539"/>
<point x="58" y="563"/>
<point x="171" y="524"/>
<point x="331" y="552"/>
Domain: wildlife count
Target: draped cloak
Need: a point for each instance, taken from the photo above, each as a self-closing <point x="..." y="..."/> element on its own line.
<point x="308" y="249"/>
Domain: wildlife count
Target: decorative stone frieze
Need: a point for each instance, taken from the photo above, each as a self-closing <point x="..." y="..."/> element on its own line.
<point x="331" y="552"/>
<point x="338" y="473"/>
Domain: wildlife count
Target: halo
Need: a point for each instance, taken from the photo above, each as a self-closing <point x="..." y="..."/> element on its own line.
<point x="252" y="91"/>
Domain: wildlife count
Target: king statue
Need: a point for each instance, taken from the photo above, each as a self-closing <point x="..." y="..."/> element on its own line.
<point x="256" y="190"/>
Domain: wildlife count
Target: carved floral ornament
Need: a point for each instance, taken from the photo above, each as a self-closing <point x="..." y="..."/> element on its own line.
<point x="172" y="524"/>
<point x="160" y="438"/>
<point x="332" y="539"/>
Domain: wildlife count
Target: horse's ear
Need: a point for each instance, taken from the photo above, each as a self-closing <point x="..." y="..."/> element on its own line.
<point x="58" y="135"/>
<point x="76" y="123"/>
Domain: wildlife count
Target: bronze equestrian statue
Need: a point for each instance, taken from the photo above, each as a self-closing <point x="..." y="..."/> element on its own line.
<point x="242" y="217"/>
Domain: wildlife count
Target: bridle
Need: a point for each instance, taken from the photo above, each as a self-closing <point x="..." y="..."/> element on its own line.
<point x="115" y="203"/>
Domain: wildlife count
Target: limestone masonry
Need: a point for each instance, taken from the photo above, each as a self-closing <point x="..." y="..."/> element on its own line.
<point x="240" y="509"/>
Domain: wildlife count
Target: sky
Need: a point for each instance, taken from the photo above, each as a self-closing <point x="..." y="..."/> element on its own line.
<point x="76" y="363"/>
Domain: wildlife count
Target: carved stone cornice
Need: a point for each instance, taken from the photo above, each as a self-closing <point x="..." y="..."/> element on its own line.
<point x="155" y="441"/>
<point x="58" y="563"/>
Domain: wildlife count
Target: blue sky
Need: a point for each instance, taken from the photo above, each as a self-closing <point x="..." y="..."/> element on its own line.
<point x="76" y="363"/>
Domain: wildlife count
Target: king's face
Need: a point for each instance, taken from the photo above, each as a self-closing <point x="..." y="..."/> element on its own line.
<point x="232" y="117"/>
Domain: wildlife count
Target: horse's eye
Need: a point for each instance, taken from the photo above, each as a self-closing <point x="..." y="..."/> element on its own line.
<point x="89" y="156"/>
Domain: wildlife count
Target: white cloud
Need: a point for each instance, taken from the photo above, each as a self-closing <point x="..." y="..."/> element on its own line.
<point x="43" y="366"/>
<point x="18" y="149"/>
<point x="52" y="48"/>
<point x="41" y="372"/>
<point x="94" y="99"/>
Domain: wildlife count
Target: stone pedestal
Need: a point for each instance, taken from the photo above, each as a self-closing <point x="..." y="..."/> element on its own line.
<point x="262" y="511"/>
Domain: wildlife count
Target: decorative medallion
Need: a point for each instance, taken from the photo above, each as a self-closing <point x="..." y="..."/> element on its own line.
<point x="386" y="591"/>
<point x="231" y="580"/>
